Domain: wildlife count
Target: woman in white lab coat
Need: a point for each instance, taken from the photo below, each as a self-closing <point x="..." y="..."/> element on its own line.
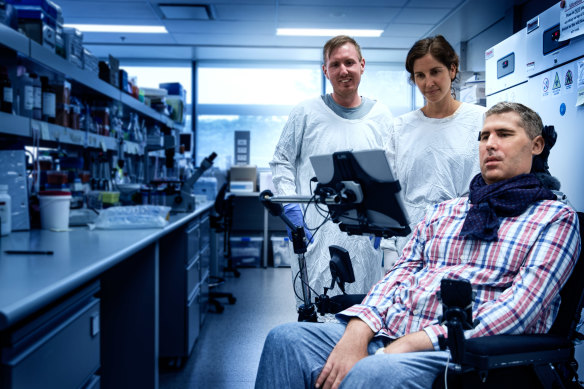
<point x="433" y="150"/>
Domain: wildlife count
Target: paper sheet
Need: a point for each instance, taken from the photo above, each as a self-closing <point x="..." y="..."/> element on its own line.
<point x="572" y="19"/>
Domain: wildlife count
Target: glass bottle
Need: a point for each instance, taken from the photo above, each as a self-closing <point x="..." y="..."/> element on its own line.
<point x="6" y="92"/>
<point x="49" y="101"/>
<point x="26" y="95"/>
<point x="37" y="108"/>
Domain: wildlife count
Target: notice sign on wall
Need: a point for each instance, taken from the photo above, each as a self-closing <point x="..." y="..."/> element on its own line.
<point x="572" y="19"/>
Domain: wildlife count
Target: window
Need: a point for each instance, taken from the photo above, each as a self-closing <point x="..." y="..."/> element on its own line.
<point x="388" y="84"/>
<point x="256" y="99"/>
<point x="216" y="133"/>
<point x="275" y="86"/>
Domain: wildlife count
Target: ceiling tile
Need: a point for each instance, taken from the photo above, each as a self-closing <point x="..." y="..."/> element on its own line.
<point x="339" y="15"/>
<point x="407" y="30"/>
<point x="422" y="16"/>
<point x="97" y="12"/>
<point x="245" y="12"/>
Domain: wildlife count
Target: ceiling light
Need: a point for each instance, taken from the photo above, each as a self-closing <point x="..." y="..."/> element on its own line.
<point x="119" y="28"/>
<point x="328" y="32"/>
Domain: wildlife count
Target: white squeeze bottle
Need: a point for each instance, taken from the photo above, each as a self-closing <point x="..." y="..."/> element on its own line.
<point x="5" y="211"/>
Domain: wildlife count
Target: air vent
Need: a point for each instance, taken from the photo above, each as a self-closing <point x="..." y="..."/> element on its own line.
<point x="187" y="11"/>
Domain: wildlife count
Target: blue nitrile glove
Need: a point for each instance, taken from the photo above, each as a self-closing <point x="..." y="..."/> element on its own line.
<point x="294" y="213"/>
<point x="376" y="241"/>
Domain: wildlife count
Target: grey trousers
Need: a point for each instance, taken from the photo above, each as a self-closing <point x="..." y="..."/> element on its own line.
<point x="294" y="354"/>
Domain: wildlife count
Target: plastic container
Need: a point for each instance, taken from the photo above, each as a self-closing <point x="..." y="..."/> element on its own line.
<point x="5" y="211"/>
<point x="246" y="251"/>
<point x="281" y="252"/>
<point x="54" y="207"/>
<point x="206" y="186"/>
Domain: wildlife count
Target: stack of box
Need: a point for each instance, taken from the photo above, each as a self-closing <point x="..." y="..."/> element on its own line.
<point x="38" y="20"/>
<point x="176" y="100"/>
<point x="243" y="178"/>
<point x="90" y="61"/>
<point x="109" y="71"/>
<point x="73" y="46"/>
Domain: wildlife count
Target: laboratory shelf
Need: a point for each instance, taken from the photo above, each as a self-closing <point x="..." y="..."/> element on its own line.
<point x="21" y="126"/>
<point x="83" y="82"/>
<point x="137" y="105"/>
<point x="14" y="40"/>
<point x="55" y="133"/>
<point x="14" y="124"/>
<point x="57" y="64"/>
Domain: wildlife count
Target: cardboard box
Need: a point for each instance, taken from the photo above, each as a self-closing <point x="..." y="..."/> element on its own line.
<point x="244" y="173"/>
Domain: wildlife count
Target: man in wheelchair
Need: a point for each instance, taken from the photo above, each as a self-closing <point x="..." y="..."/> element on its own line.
<point x="511" y="239"/>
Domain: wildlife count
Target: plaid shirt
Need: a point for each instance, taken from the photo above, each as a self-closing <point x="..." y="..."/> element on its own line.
<point x="516" y="278"/>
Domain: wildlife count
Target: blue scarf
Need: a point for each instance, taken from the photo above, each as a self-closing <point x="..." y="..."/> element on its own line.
<point x="505" y="198"/>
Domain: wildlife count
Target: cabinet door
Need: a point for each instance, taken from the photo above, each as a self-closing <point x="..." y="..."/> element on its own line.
<point x="193" y="240"/>
<point x="193" y="323"/>
<point x="65" y="356"/>
<point x="193" y="274"/>
<point x="205" y="232"/>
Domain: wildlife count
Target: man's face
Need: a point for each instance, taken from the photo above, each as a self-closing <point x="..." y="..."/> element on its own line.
<point x="505" y="149"/>
<point x="343" y="68"/>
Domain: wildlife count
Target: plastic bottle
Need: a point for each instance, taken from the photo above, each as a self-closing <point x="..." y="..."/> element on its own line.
<point x="49" y="101"/>
<point x="6" y="91"/>
<point x="5" y="211"/>
<point x="37" y="107"/>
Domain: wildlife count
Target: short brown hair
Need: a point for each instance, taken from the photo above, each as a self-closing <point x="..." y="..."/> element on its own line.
<point x="438" y="47"/>
<point x="335" y="43"/>
<point x="530" y="120"/>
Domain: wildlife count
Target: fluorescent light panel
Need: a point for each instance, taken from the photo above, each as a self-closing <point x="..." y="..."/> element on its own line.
<point x="327" y="32"/>
<point x="119" y="28"/>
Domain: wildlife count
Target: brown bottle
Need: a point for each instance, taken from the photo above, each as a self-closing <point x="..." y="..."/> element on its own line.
<point x="6" y="92"/>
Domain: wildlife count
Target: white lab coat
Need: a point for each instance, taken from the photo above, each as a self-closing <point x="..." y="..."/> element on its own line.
<point x="434" y="160"/>
<point x="313" y="129"/>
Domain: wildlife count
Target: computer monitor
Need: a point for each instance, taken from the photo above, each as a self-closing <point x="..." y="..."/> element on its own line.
<point x="361" y="193"/>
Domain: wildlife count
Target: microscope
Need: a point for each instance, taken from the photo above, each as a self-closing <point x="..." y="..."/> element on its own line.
<point x="183" y="200"/>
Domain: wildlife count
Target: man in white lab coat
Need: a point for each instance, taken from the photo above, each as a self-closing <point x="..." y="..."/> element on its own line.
<point x="341" y="120"/>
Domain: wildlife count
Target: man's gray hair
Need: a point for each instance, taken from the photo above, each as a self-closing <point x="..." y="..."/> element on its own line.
<point x="530" y="120"/>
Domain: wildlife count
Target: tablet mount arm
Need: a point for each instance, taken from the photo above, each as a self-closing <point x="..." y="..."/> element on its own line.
<point x="306" y="311"/>
<point x="361" y="203"/>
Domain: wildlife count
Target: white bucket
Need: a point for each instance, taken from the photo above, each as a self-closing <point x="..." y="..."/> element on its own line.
<point x="55" y="211"/>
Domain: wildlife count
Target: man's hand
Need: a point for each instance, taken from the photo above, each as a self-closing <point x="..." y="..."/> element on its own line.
<point x="416" y="341"/>
<point x="351" y="348"/>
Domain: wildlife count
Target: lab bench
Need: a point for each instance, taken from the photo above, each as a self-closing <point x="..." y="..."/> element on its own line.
<point x="96" y="312"/>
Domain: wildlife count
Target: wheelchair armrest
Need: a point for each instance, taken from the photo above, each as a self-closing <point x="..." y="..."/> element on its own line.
<point x="491" y="352"/>
<point x="507" y="344"/>
<point x="336" y="304"/>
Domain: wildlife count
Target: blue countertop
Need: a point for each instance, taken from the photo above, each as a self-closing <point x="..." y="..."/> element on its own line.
<point x="31" y="282"/>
